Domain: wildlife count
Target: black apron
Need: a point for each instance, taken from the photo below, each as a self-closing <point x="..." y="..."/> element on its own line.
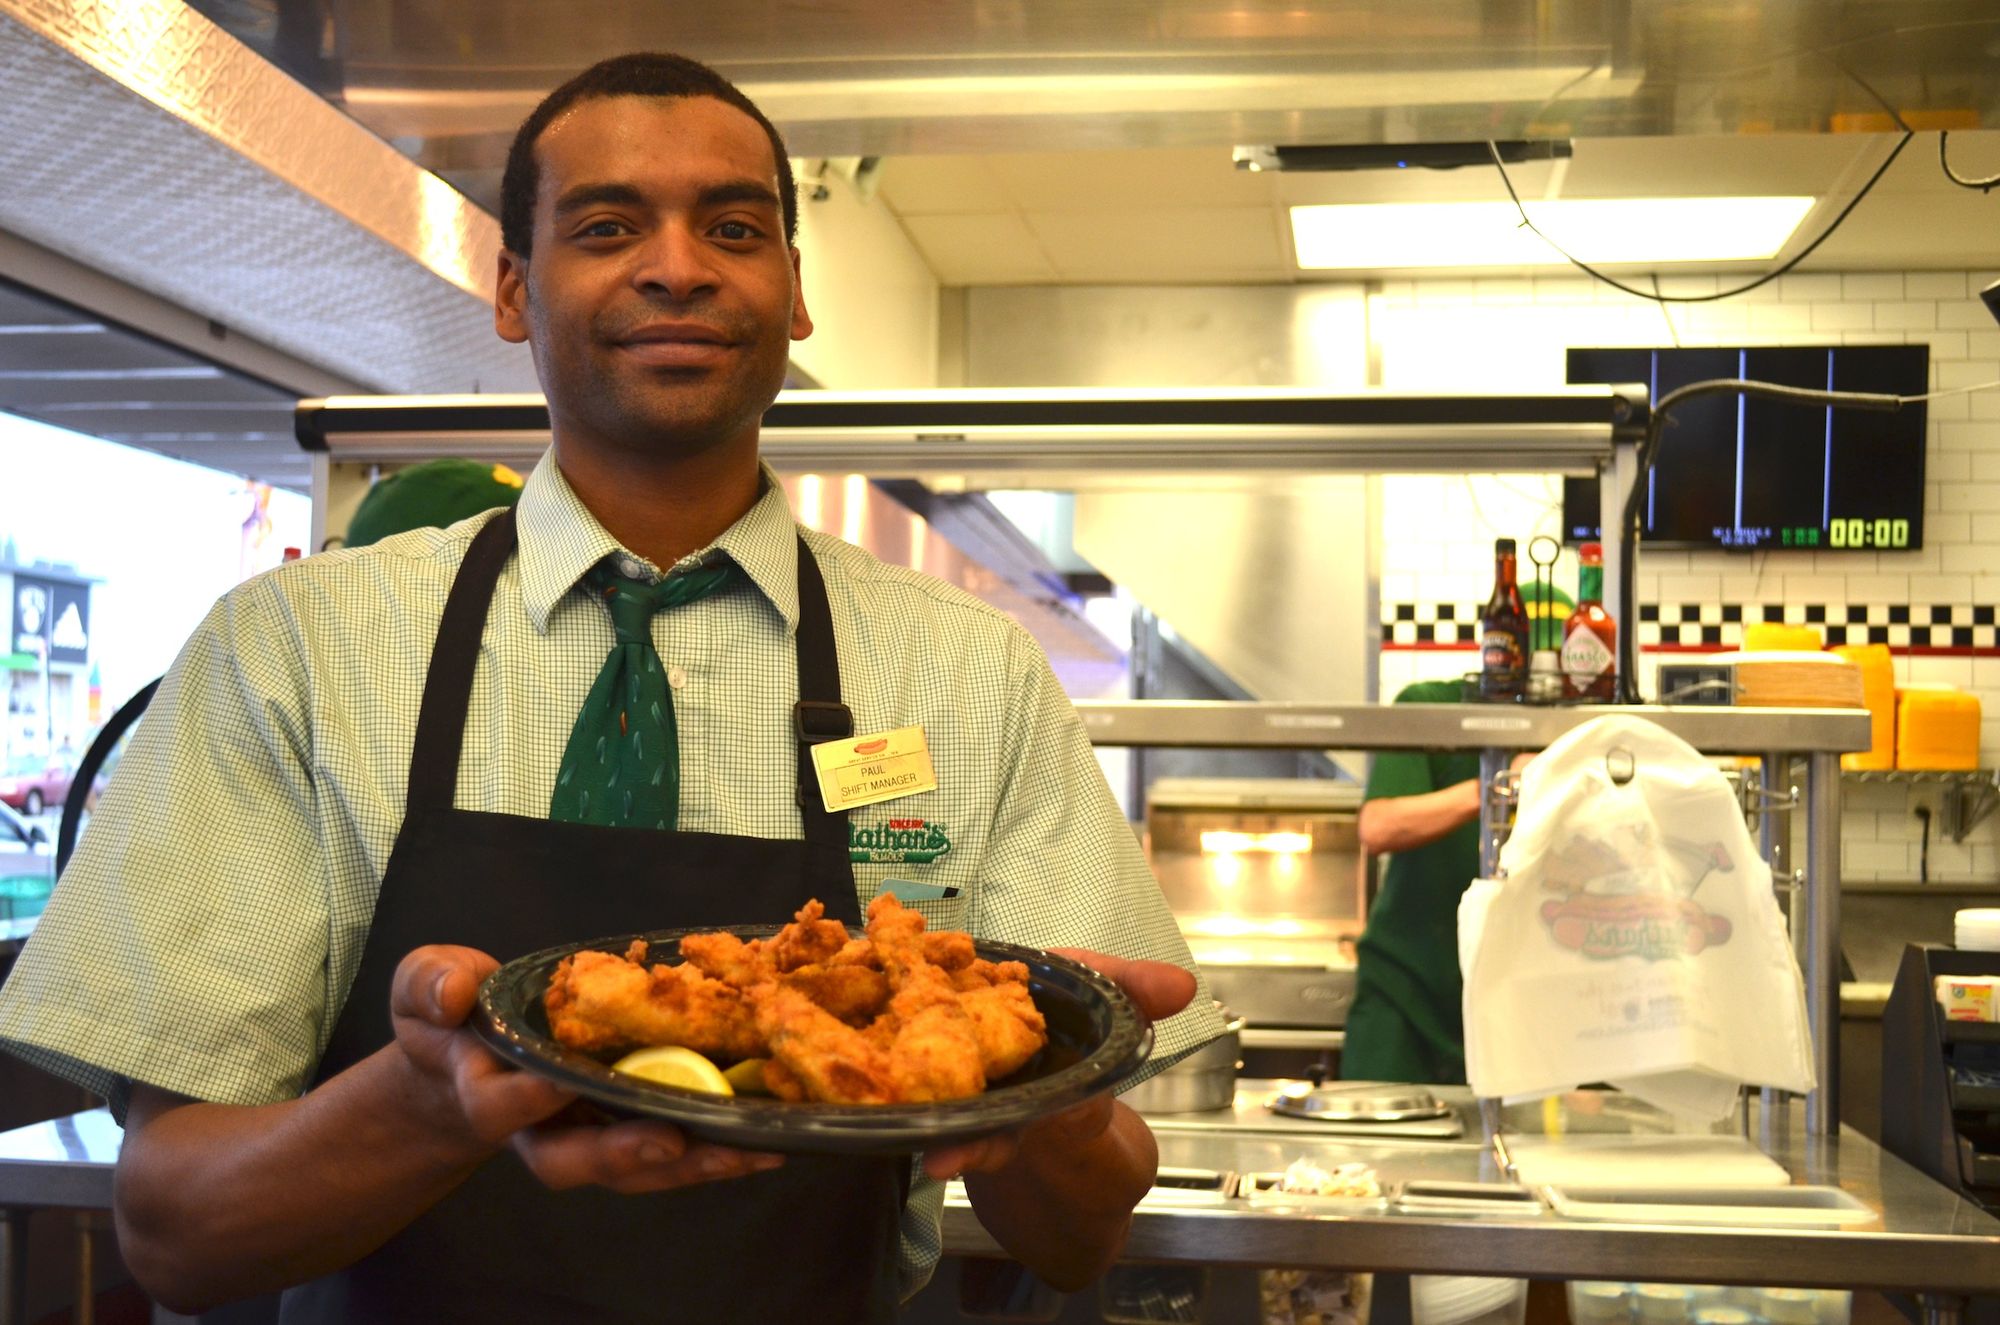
<point x="814" y="1239"/>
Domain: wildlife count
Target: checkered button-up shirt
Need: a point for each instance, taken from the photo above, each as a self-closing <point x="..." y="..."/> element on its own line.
<point x="204" y="936"/>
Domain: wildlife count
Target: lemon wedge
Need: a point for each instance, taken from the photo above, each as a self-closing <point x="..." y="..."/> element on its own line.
<point x="673" y="1065"/>
<point x="747" y="1076"/>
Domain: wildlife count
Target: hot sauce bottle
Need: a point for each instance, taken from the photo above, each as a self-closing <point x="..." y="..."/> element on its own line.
<point x="1590" y="636"/>
<point x="1503" y="631"/>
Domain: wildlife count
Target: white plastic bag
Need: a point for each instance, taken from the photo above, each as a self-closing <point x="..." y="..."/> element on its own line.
<point x="1634" y="938"/>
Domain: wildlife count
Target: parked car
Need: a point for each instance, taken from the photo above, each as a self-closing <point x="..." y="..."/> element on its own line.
<point x="27" y="866"/>
<point x="35" y="783"/>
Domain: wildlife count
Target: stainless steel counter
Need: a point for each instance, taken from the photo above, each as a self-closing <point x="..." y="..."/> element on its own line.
<point x="1925" y="1240"/>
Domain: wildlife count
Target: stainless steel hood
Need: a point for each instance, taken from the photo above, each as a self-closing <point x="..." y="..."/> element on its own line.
<point x="1018" y="438"/>
<point x="447" y="80"/>
<point x="1273" y="584"/>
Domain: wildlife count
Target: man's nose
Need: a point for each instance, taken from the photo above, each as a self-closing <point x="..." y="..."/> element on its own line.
<point x="675" y="261"/>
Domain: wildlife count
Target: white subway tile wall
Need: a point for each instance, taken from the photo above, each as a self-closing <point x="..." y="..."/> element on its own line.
<point x="1511" y="334"/>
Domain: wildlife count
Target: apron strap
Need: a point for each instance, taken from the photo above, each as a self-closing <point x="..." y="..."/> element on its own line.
<point x="819" y="715"/>
<point x="448" y="684"/>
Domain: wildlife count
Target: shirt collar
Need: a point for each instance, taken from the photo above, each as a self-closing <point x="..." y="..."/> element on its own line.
<point x="560" y="539"/>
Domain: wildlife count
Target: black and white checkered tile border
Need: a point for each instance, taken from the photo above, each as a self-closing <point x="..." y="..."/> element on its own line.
<point x="1954" y="628"/>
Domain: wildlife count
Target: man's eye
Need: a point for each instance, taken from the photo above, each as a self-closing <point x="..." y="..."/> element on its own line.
<point x="601" y="230"/>
<point x="735" y="230"/>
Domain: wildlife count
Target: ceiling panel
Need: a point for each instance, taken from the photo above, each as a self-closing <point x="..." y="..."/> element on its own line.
<point x="1147" y="245"/>
<point x="986" y="249"/>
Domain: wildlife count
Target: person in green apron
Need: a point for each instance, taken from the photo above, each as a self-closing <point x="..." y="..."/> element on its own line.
<point x="1422" y="811"/>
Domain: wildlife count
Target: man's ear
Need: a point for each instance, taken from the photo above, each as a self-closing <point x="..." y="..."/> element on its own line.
<point x="802" y="323"/>
<point x="510" y="299"/>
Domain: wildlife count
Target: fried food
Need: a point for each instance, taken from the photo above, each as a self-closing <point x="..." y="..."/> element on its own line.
<point x="600" y="1002"/>
<point x="832" y="1060"/>
<point x="901" y="1016"/>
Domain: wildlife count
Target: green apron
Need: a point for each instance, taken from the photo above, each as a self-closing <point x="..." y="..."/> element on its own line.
<point x="1407" y="1022"/>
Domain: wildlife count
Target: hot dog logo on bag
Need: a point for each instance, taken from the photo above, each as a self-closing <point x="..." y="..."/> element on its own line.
<point x="1611" y="909"/>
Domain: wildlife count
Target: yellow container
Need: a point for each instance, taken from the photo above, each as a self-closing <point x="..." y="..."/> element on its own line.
<point x="1936" y="727"/>
<point x="1777" y="637"/>
<point x="1878" y="692"/>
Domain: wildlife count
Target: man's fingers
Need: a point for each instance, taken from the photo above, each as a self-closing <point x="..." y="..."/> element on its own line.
<point x="438" y="984"/>
<point x="498" y="1100"/>
<point x="982" y="1156"/>
<point x="1083" y="1122"/>
<point x="631" y="1157"/>
<point x="1159" y="988"/>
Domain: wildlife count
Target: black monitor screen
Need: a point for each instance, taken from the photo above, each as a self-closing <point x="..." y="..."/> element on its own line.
<point x="1744" y="472"/>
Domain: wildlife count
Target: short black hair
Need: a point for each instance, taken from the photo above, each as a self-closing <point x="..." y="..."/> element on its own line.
<point x="640" y="74"/>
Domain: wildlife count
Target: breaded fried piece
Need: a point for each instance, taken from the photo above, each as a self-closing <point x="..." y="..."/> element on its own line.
<point x="598" y="1001"/>
<point x="728" y="958"/>
<point x="982" y="973"/>
<point x="810" y="939"/>
<point x="949" y="949"/>
<point x="855" y="994"/>
<point x="832" y="1060"/>
<point x="778" y="1079"/>
<point x="1010" y="1028"/>
<point x="935" y="1054"/>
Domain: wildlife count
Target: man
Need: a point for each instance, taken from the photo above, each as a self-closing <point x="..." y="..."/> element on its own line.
<point x="1422" y="811"/>
<point x="372" y="773"/>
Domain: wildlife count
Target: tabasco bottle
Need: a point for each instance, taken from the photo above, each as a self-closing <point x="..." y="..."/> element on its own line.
<point x="1590" y="636"/>
<point x="1503" y="631"/>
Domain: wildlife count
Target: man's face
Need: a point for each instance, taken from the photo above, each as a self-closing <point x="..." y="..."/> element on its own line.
<point x="661" y="297"/>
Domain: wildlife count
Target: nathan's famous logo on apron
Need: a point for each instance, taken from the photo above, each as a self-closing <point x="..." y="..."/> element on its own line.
<point x="896" y="842"/>
<point x="1632" y="894"/>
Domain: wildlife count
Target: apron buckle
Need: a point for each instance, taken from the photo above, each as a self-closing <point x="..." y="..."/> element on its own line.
<point x="817" y="720"/>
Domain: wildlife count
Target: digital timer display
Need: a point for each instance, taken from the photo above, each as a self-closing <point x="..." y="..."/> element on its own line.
<point x="1749" y="473"/>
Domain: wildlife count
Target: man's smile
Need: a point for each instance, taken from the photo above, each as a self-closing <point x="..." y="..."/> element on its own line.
<point x="675" y="344"/>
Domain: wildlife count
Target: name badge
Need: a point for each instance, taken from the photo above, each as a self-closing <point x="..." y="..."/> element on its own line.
<point x="856" y="771"/>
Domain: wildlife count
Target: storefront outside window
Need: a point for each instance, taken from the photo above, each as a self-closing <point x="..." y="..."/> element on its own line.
<point x="109" y="558"/>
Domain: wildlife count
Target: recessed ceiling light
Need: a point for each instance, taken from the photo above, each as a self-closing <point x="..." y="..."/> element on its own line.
<point x="1593" y="230"/>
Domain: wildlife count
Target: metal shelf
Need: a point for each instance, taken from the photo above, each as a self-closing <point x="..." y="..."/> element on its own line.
<point x="1969" y="794"/>
<point x="1966" y="776"/>
<point x="1223" y="724"/>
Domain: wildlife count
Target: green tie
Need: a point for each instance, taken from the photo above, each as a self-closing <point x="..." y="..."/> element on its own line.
<point x="622" y="767"/>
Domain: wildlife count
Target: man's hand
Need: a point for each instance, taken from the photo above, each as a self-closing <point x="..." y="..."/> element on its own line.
<point x="1059" y="1193"/>
<point x="1160" y="989"/>
<point x="476" y="1103"/>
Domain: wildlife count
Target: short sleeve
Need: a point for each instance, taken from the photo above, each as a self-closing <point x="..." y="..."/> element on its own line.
<point x="186" y="944"/>
<point x="1395" y="773"/>
<point x="1063" y="867"/>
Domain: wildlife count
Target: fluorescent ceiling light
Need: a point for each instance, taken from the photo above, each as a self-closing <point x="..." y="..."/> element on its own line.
<point x="1593" y="230"/>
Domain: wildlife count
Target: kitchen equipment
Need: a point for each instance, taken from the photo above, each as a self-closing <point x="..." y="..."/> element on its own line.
<point x="1754" y="1207"/>
<point x="1977" y="929"/>
<point x="1258" y="870"/>
<point x="1608" y="1159"/>
<point x="1937" y="1108"/>
<point x="1359" y="1102"/>
<point x="1501" y="1199"/>
<point x="1204" y="1080"/>
<point x="1764" y="679"/>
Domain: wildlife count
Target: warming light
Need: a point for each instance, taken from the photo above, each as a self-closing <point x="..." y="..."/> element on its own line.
<point x="1217" y="841"/>
<point x="1593" y="230"/>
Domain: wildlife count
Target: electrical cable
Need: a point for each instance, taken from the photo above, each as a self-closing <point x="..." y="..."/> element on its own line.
<point x="1628" y="531"/>
<point x="1986" y="185"/>
<point x="1494" y="151"/>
